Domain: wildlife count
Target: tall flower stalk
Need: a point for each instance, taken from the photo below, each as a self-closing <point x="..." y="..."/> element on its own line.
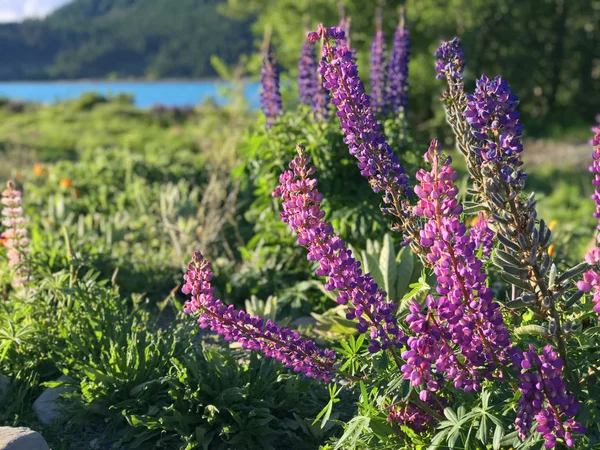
<point x="253" y="333"/>
<point x="366" y="301"/>
<point x="363" y="135"/>
<point x="270" y="95"/>
<point x="464" y="316"/>
<point x="307" y="74"/>
<point x="397" y="88"/>
<point x="488" y="134"/>
<point x="15" y="234"/>
<point x="378" y="66"/>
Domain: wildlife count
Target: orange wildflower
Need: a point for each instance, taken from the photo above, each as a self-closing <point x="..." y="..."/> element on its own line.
<point x="65" y="183"/>
<point x="38" y="169"/>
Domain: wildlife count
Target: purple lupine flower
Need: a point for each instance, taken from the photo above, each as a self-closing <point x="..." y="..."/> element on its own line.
<point x="397" y="89"/>
<point x="544" y="397"/>
<point x="270" y="96"/>
<point x="464" y="316"/>
<point x="492" y="114"/>
<point x="482" y="235"/>
<point x="450" y="63"/>
<point x="15" y="234"/>
<point x="376" y="159"/>
<point x="367" y="301"/>
<point x="307" y="73"/>
<point x="321" y="101"/>
<point x="591" y="278"/>
<point x="378" y="75"/>
<point x="253" y="333"/>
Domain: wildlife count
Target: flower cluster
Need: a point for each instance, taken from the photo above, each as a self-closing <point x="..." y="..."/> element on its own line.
<point x="253" y="333"/>
<point x="363" y="134"/>
<point x="397" y="89"/>
<point x="544" y="397"/>
<point x="378" y="75"/>
<point x="270" y="97"/>
<point x="307" y="74"/>
<point x="367" y="301"/>
<point x="492" y="114"/>
<point x="450" y="63"/>
<point x="464" y="316"/>
<point x="482" y="235"/>
<point x="15" y="233"/>
<point x="321" y="101"/>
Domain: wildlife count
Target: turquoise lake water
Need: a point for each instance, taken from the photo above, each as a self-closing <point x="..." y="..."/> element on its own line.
<point x="146" y="94"/>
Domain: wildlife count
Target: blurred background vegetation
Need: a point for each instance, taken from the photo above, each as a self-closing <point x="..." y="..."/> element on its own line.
<point x="548" y="50"/>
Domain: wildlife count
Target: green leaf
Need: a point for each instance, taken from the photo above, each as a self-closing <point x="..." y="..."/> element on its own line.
<point x="405" y="262"/>
<point x="372" y="267"/>
<point x="498" y="434"/>
<point x="387" y="266"/>
<point x="535" y="330"/>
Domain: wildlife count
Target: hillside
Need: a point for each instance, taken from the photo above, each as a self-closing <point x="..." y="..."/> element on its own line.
<point x="124" y="38"/>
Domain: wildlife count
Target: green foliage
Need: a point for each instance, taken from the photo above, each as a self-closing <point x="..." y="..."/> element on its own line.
<point x="538" y="46"/>
<point x="123" y="38"/>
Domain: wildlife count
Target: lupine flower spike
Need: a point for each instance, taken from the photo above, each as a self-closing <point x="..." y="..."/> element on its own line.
<point x="544" y="398"/>
<point x="270" y="96"/>
<point x="254" y="333"/>
<point x="464" y="316"/>
<point x="493" y="116"/>
<point x="366" y="301"/>
<point x="15" y="234"/>
<point x="378" y="66"/>
<point x="320" y="100"/>
<point x="591" y="278"/>
<point x="376" y="160"/>
<point x="397" y="88"/>
<point x="307" y="74"/>
<point x="481" y="234"/>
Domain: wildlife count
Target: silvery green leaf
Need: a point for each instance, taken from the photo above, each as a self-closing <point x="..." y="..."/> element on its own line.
<point x="499" y="218"/>
<point x="542" y="228"/>
<point x="472" y="207"/>
<point x="516" y="281"/>
<point x="508" y="257"/>
<point x="547" y="302"/>
<point x="545" y="264"/>
<point x="552" y="276"/>
<point x="572" y="272"/>
<point x="552" y="326"/>
<point x="507" y="242"/>
<point x="545" y="239"/>
<point x="573" y="299"/>
<point x="535" y="330"/>
<point x="522" y="242"/>
<point x="530" y="225"/>
<point x="529" y="298"/>
<point x="516" y="303"/>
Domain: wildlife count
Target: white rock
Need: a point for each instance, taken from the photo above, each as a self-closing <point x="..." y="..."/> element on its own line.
<point x="47" y="406"/>
<point x="21" y="439"/>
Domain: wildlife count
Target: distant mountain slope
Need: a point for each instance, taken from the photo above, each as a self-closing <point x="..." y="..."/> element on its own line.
<point x="140" y="38"/>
